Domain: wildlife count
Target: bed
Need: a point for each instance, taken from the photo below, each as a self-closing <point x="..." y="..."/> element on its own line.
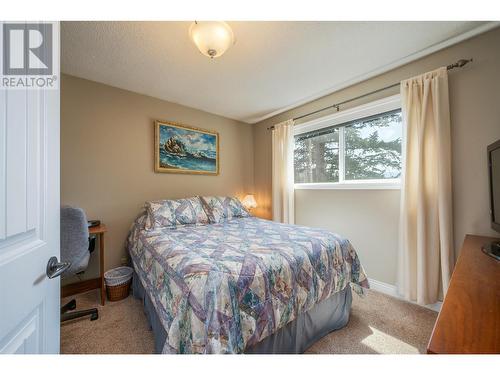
<point x="240" y="284"/>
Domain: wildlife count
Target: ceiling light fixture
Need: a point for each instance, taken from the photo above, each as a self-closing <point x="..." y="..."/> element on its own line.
<point x="212" y="38"/>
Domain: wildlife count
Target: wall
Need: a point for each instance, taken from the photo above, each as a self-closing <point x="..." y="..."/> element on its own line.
<point x="107" y="138"/>
<point x="369" y="218"/>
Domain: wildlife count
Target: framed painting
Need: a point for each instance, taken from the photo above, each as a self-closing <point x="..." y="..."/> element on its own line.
<point x="183" y="149"/>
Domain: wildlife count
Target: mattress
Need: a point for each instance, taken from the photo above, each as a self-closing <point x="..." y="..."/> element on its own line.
<point x="226" y="287"/>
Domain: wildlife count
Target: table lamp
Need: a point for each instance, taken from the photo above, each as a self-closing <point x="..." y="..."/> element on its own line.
<point x="249" y="202"/>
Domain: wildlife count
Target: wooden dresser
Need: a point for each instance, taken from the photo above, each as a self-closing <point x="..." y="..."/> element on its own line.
<point x="469" y="320"/>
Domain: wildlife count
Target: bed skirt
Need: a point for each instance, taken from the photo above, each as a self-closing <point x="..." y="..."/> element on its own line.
<point x="298" y="335"/>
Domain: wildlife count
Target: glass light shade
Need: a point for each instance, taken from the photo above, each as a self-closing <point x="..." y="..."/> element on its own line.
<point x="249" y="202"/>
<point x="212" y="38"/>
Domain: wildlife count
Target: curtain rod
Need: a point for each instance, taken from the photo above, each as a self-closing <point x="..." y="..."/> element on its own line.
<point x="460" y="63"/>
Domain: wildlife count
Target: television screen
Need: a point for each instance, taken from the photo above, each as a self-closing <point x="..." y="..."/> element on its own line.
<point x="494" y="162"/>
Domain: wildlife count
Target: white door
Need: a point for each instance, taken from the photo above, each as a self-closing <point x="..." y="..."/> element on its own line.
<point x="29" y="216"/>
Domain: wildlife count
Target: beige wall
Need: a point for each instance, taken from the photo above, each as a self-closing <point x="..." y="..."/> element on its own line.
<point x="107" y="140"/>
<point x="369" y="218"/>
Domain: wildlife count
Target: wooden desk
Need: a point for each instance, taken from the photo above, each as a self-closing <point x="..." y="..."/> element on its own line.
<point x="469" y="320"/>
<point x="98" y="282"/>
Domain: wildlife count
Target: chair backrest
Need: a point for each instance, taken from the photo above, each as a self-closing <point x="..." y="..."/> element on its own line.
<point x="74" y="239"/>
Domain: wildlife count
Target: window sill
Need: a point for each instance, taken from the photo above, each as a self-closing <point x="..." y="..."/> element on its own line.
<point x="351" y="185"/>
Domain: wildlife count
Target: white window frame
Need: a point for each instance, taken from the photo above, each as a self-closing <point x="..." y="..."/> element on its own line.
<point x="370" y="109"/>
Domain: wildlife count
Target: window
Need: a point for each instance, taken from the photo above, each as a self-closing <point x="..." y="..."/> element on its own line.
<point x="316" y="156"/>
<point x="355" y="148"/>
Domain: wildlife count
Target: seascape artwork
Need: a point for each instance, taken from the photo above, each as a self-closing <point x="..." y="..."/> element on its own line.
<point x="182" y="149"/>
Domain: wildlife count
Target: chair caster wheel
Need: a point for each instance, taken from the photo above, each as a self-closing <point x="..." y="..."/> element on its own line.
<point x="94" y="316"/>
<point x="72" y="304"/>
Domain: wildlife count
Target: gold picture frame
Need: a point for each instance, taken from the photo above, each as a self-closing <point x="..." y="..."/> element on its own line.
<point x="184" y="149"/>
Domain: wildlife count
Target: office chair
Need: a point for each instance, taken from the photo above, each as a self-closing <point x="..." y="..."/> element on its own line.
<point x="76" y="247"/>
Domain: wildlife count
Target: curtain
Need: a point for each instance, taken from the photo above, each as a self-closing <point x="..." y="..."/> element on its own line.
<point x="426" y="234"/>
<point x="283" y="193"/>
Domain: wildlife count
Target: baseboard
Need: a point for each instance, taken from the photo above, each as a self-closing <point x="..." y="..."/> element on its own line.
<point x="435" y="306"/>
<point x="385" y="288"/>
<point x="392" y="290"/>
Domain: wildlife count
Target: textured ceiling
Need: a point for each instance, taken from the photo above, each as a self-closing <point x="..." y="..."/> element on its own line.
<point x="272" y="66"/>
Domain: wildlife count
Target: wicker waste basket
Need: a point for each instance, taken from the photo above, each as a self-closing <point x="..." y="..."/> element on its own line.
<point x="118" y="282"/>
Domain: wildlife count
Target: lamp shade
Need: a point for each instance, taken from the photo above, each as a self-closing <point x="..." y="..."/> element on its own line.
<point x="249" y="202"/>
<point x="212" y="38"/>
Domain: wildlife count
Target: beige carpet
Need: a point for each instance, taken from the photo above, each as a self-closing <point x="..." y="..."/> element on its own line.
<point x="122" y="328"/>
<point x="378" y="324"/>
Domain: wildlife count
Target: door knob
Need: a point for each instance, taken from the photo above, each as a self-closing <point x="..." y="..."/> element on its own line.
<point x="55" y="268"/>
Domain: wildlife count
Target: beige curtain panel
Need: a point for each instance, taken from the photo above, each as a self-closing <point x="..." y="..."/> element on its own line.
<point x="426" y="234"/>
<point x="283" y="193"/>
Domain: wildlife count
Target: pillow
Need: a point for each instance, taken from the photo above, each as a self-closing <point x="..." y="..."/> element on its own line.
<point x="220" y="209"/>
<point x="170" y="213"/>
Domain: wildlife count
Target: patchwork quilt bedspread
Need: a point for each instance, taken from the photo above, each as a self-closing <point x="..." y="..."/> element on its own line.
<point x="220" y="288"/>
